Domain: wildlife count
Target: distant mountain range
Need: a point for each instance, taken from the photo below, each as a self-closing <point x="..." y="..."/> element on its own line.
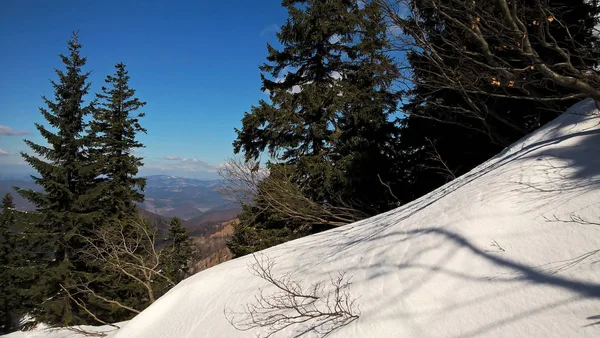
<point x="194" y="201"/>
<point x="185" y="198"/>
<point x="6" y="185"/>
<point x="203" y="225"/>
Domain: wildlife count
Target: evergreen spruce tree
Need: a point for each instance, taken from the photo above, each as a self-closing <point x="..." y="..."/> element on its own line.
<point x="66" y="178"/>
<point x="113" y="131"/>
<point x="112" y="137"/>
<point x="302" y="79"/>
<point x="7" y="300"/>
<point x="305" y="102"/>
<point x="7" y="202"/>
<point x="367" y="138"/>
<point x="179" y="251"/>
<point x="327" y="119"/>
<point x="17" y="274"/>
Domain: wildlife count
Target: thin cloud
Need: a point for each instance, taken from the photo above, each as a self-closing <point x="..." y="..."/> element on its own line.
<point x="272" y="28"/>
<point x="184" y="163"/>
<point x="191" y="167"/>
<point x="4" y="153"/>
<point x="8" y="131"/>
<point x="198" y="163"/>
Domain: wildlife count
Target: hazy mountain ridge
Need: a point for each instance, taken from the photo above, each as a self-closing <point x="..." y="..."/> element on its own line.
<point x="7" y="186"/>
<point x="185" y="198"/>
<point x="203" y="225"/>
<point x="166" y="196"/>
<point x="157" y="181"/>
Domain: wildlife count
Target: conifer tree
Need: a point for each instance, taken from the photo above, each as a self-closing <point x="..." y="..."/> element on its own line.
<point x="328" y="116"/>
<point x="305" y="102"/>
<point x="113" y="131"/>
<point x="7" y="301"/>
<point x="329" y="89"/>
<point x="65" y="174"/>
<point x="112" y="138"/>
<point x="179" y="251"/>
<point x="7" y="202"/>
<point x="298" y="125"/>
<point x="365" y="146"/>
<point x="17" y="275"/>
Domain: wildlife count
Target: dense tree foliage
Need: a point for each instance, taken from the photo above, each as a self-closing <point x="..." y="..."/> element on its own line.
<point x="7" y="202"/>
<point x="86" y="207"/>
<point x="113" y="132"/>
<point x="19" y="275"/>
<point x="179" y="251"/>
<point x="486" y="73"/>
<point x="327" y="122"/>
<point x="477" y="76"/>
<point x="8" y="301"/>
<point x="66" y="202"/>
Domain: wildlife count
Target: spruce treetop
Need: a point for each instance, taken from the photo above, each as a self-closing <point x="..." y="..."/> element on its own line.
<point x="7" y="202"/>
<point x="113" y="133"/>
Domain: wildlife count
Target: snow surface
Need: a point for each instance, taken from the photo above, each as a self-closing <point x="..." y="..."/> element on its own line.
<point x="494" y="253"/>
<point x="42" y="331"/>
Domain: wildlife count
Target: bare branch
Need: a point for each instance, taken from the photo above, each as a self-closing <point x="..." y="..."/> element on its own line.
<point x="79" y="330"/>
<point x="240" y="179"/>
<point x="573" y="218"/>
<point x="435" y="156"/>
<point x="85" y="288"/>
<point x="249" y="184"/>
<point x="305" y="310"/>
<point x="492" y="49"/>
<point x="389" y="188"/>
<point x="81" y="304"/>
<point x="126" y="250"/>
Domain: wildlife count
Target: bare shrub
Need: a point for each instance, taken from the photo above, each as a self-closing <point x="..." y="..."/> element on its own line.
<point x="240" y="179"/>
<point x="128" y="251"/>
<point x="500" y="49"/>
<point x="314" y="309"/>
<point x="573" y="218"/>
<point x="251" y="185"/>
<point x="86" y="333"/>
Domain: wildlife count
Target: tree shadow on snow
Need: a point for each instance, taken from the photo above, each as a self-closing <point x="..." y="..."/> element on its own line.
<point x="542" y="275"/>
<point x="560" y="167"/>
<point x="593" y="318"/>
<point x="561" y="173"/>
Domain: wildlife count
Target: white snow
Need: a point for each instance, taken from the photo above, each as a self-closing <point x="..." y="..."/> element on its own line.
<point x="495" y="253"/>
<point x="42" y="331"/>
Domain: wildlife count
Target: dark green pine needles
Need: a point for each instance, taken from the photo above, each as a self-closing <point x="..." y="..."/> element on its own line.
<point x="64" y="172"/>
<point x="327" y="121"/>
<point x="113" y="137"/>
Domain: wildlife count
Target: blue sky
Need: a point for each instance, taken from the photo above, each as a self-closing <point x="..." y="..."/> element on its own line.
<point x="194" y="62"/>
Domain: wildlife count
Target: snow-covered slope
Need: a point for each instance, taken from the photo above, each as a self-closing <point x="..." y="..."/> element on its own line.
<point x="506" y="250"/>
<point x="494" y="253"/>
<point x="42" y="331"/>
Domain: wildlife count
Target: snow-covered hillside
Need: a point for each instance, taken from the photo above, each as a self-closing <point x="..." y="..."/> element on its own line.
<point x="42" y="331"/>
<point x="507" y="250"/>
